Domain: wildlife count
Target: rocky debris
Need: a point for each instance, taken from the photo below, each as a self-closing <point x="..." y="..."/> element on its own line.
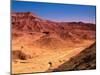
<point x="18" y="54"/>
<point x="86" y="60"/>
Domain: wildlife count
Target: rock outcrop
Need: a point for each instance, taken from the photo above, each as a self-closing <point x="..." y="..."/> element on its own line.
<point x="86" y="60"/>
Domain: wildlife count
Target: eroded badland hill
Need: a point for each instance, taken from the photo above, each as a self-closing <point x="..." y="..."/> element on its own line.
<point x="40" y="45"/>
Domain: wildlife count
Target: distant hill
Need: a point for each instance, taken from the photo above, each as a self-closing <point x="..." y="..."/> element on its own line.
<point x="29" y="22"/>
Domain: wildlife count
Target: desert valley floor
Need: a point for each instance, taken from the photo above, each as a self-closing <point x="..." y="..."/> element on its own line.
<point x="43" y="46"/>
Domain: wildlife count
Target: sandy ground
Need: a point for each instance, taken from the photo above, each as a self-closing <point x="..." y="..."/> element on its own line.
<point x="46" y="59"/>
